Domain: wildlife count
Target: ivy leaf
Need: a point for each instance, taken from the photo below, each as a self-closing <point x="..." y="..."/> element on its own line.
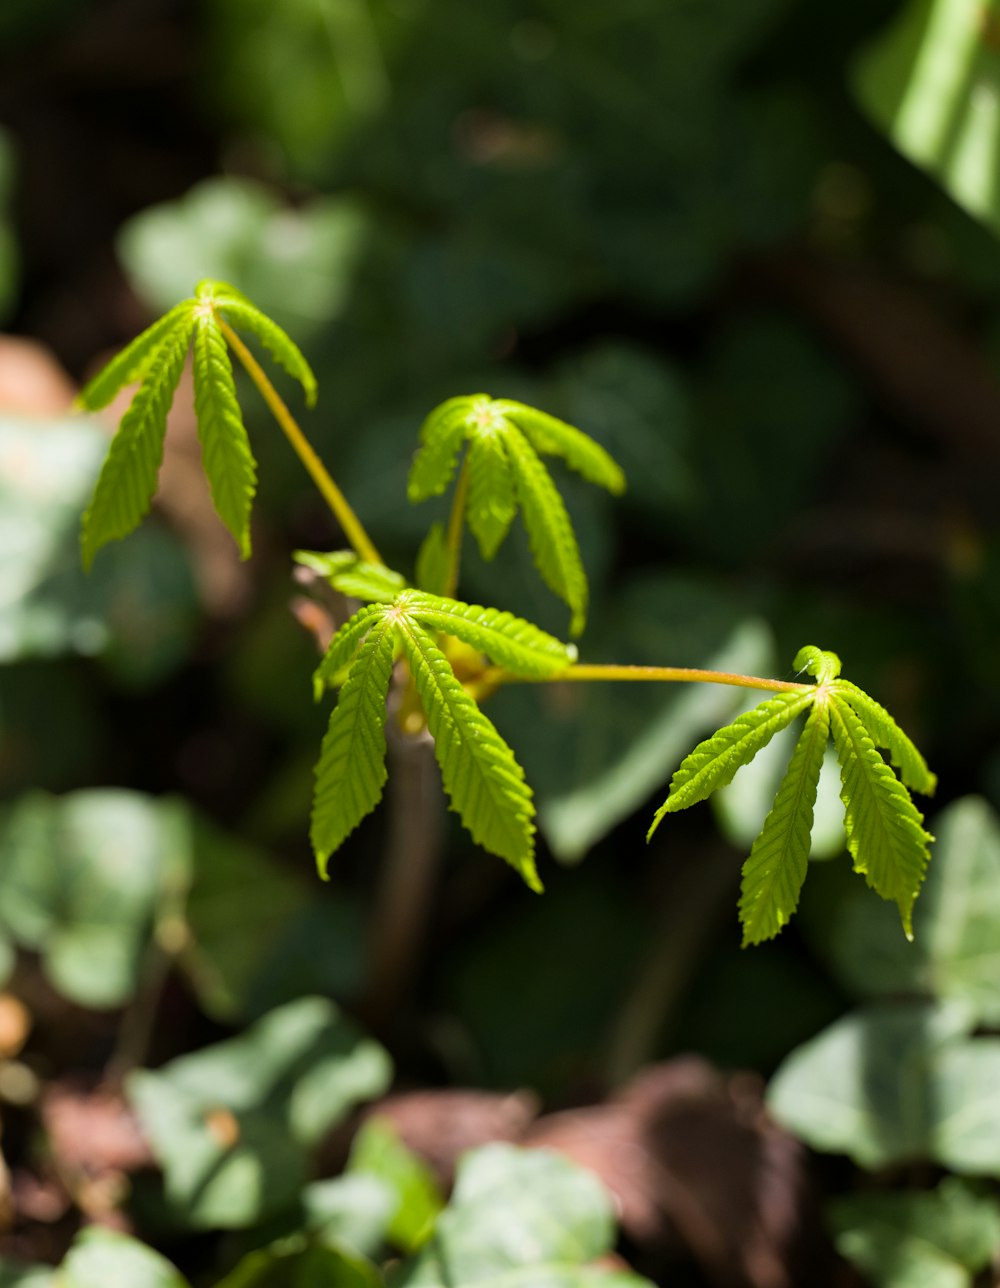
<point x="884" y="732"/>
<point x="226" y="454"/>
<point x="713" y="762"/>
<point x="506" y="472"/>
<point x="776" y="868"/>
<point x="351" y="771"/>
<point x="127" y="480"/>
<point x="480" y="774"/>
<point x="507" y="640"/>
<point x="884" y="828"/>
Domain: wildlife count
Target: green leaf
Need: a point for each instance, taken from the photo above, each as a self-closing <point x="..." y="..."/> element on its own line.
<point x="102" y="1258"/>
<point x="521" y="1216"/>
<point x="776" y="867"/>
<point x="940" y="1238"/>
<point x="441" y="437"/>
<point x="713" y="762"/>
<point x="378" y="1152"/>
<point x="351" y="771"/>
<point x="243" y="315"/>
<point x="343" y="647"/>
<point x="353" y="1210"/>
<point x="869" y="1086"/>
<point x="884" y="732"/>
<point x="554" y="437"/>
<point x="823" y="665"/>
<point x="128" y="479"/>
<point x="433" y="561"/>
<point x="480" y="774"/>
<point x="553" y="541"/>
<point x="295" y="1262"/>
<point x="18" y="1274"/>
<point x="353" y="576"/>
<point x="956" y="923"/>
<point x="491" y="504"/>
<point x="226" y="454"/>
<point x="234" y="1126"/>
<point x="507" y="640"/>
<point x="135" y="359"/>
<point x="884" y="828"/>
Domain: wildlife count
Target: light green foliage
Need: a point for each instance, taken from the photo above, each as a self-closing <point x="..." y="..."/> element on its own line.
<point x="521" y="1216"/>
<point x="105" y="1259"/>
<point x="378" y="1153"/>
<point x="433" y="561"/>
<point x="505" y="472"/>
<point x="297" y="1262"/>
<point x="353" y="576"/>
<point x="480" y="774"/>
<point x="16" y="1274"/>
<point x="156" y="358"/>
<point x="938" y="1238"/>
<point x="234" y="1125"/>
<point x="884" y="829"/>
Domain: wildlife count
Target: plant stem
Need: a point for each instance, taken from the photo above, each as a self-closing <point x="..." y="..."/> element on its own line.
<point x="335" y="499"/>
<point x="494" y="676"/>
<point x="456" y="525"/>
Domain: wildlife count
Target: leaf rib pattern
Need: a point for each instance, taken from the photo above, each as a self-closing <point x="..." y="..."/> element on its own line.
<point x="226" y="452"/>
<point x="509" y="641"/>
<point x="478" y="769"/>
<point x="344" y="645"/>
<point x="134" y="360"/>
<point x="714" y="762"/>
<point x="441" y="437"/>
<point x="884" y="828"/>
<point x="885" y="732"/>
<point x="127" y="480"/>
<point x="555" y="437"/>
<point x="351" y="772"/>
<point x="491" y="503"/>
<point x="550" y="532"/>
<point x="775" y="869"/>
<point x="280" y="345"/>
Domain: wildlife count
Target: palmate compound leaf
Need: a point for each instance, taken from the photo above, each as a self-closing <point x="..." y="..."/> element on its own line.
<point x="506" y="472"/>
<point x="155" y="358"/>
<point x="480" y="774"/>
<point x="884" y="828"/>
<point x="776" y="867"/>
<point x="351" y="770"/>
<point x="713" y="762"/>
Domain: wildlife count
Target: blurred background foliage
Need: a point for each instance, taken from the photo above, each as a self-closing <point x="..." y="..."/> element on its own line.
<point x="748" y="245"/>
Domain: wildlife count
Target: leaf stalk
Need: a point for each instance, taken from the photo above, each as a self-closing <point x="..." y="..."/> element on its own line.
<point x="669" y="674"/>
<point x="351" y="525"/>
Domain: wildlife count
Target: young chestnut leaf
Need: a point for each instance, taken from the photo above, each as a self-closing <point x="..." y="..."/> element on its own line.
<point x="479" y="771"/>
<point x="505" y="474"/>
<point x="156" y="358"/>
<point x="885" y="835"/>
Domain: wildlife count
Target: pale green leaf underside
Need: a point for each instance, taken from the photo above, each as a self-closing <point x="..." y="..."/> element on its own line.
<point x="884" y="732"/>
<point x="713" y="762"/>
<point x="491" y="503"/>
<point x="775" y="870"/>
<point x="509" y="641"/>
<point x="554" y="437"/>
<point x="344" y="645"/>
<point x="134" y="360"/>
<point x="351" y="771"/>
<point x="226" y="453"/>
<point x="441" y="437"/>
<point x="281" y="347"/>
<point x="128" y="478"/>
<point x="353" y="576"/>
<point x="550" y="533"/>
<point x="480" y="774"/>
<point x="884" y="828"/>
